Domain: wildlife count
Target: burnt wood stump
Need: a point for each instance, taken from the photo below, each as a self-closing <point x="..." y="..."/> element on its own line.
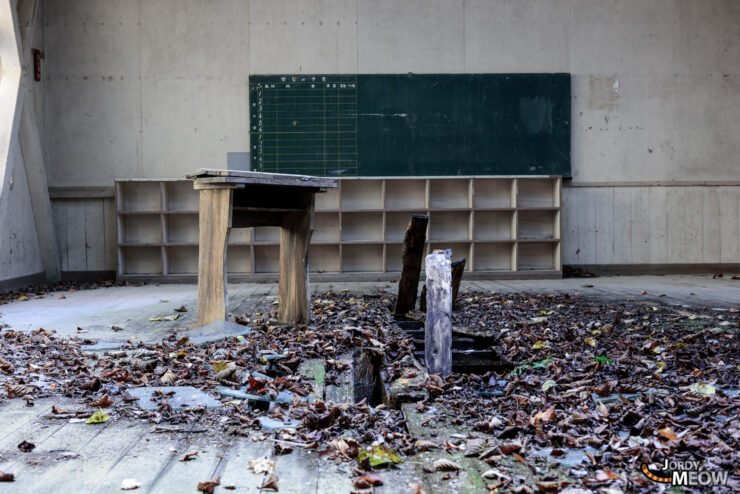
<point x="411" y="256"/>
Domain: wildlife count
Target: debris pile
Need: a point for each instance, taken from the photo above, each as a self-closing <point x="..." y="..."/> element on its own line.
<point x="597" y="390"/>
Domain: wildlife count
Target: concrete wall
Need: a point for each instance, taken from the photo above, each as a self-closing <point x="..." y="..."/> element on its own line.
<point x="20" y="259"/>
<point x="156" y="88"/>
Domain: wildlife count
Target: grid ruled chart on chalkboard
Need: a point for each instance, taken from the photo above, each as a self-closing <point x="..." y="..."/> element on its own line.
<point x="304" y="124"/>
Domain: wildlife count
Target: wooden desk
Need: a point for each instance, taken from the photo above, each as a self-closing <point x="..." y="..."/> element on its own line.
<point x="240" y="199"/>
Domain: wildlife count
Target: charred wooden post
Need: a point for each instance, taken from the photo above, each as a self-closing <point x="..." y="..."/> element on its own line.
<point x="438" y="329"/>
<point x="458" y="267"/>
<point x="423" y="298"/>
<point x="413" y="251"/>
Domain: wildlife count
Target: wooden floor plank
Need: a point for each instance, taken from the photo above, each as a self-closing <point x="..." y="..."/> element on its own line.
<point x="183" y="476"/>
<point x="345" y="391"/>
<point x="16" y="416"/>
<point x="315" y="371"/>
<point x="298" y="472"/>
<point x="466" y="481"/>
<point x="237" y="472"/>
<point x="142" y="461"/>
<point x="98" y="447"/>
<point x="335" y="479"/>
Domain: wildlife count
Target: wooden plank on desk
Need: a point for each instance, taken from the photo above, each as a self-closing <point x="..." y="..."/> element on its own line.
<point x="214" y="175"/>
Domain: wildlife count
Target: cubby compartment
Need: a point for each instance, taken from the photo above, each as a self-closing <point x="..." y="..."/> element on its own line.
<point x="239" y="259"/>
<point x="393" y="262"/>
<point x="327" y="201"/>
<point x="323" y="259"/>
<point x="536" y="224"/>
<point x="182" y="228"/>
<point x="490" y="193"/>
<point x="267" y="234"/>
<point x="396" y="225"/>
<point x="139" y="196"/>
<point x="137" y="260"/>
<point x="181" y="196"/>
<point x="182" y="259"/>
<point x="362" y="258"/>
<point x="325" y="227"/>
<point x="362" y="194"/>
<point x="450" y="225"/>
<point x="448" y="193"/>
<point x="501" y="224"/>
<point x="493" y="256"/>
<point x="537" y="193"/>
<point x="141" y="229"/>
<point x="240" y="235"/>
<point x="266" y="258"/>
<point x="362" y="227"/>
<point x="405" y="194"/>
<point x="493" y="225"/>
<point x="537" y="256"/>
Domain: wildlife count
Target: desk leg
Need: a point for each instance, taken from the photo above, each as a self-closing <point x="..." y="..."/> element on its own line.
<point x="294" y="295"/>
<point x="215" y="224"/>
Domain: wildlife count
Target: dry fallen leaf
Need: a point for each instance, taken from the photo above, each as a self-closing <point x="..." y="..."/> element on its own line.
<point x="103" y="401"/>
<point x="91" y="385"/>
<point x="130" y="484"/>
<point x="367" y="481"/>
<point x="474" y="446"/>
<point x="263" y="465"/>
<point x="189" y="456"/>
<point x="542" y="417"/>
<point x="270" y="483"/>
<point x="667" y="433"/>
<point x="168" y="377"/>
<point x="415" y="488"/>
<point x="493" y="473"/>
<point x="7" y="477"/>
<point x="423" y="445"/>
<point x="607" y="474"/>
<point x="6" y="367"/>
<point x="507" y="449"/>
<point x="347" y="446"/>
<point x="445" y="465"/>
<point x="26" y="447"/>
<point x="18" y="390"/>
<point x="208" y="485"/>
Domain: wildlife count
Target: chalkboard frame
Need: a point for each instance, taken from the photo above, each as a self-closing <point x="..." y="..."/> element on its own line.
<point x="378" y="125"/>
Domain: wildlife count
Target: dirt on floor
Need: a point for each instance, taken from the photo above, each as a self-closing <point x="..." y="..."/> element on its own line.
<point x="599" y="395"/>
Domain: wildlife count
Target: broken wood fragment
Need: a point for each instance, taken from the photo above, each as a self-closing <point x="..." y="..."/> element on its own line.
<point x="458" y="267"/>
<point x="411" y="256"/>
<point x="438" y="329"/>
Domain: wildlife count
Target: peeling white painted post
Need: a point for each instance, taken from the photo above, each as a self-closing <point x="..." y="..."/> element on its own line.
<point x="438" y="329"/>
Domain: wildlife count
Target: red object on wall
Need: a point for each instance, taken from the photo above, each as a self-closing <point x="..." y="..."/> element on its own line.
<point x="37" y="56"/>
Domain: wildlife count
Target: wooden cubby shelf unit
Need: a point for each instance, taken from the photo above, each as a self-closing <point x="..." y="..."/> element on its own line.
<point x="506" y="227"/>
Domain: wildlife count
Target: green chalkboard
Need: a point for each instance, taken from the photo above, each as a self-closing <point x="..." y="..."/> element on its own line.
<point x="411" y="124"/>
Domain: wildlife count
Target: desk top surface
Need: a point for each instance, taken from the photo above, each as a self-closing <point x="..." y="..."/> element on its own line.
<point x="215" y="177"/>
